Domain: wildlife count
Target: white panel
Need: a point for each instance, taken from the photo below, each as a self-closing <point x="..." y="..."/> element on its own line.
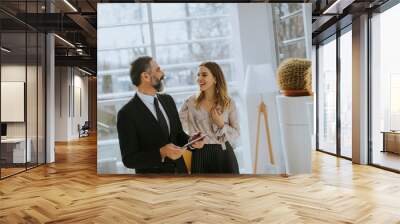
<point x="12" y="101"/>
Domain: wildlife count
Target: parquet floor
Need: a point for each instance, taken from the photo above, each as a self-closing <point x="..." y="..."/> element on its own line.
<point x="70" y="191"/>
<point x="9" y="171"/>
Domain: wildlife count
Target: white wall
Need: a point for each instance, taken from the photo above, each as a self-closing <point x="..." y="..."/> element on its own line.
<point x="16" y="73"/>
<point x="33" y="126"/>
<point x="70" y="83"/>
<point x="61" y="103"/>
<point x="257" y="46"/>
<point x="81" y="94"/>
<point x="256" y="35"/>
<point x="12" y="73"/>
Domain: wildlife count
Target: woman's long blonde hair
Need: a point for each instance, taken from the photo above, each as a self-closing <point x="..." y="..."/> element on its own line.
<point x="221" y="88"/>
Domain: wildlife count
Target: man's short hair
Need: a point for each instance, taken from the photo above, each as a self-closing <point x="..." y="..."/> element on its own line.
<point x="138" y="66"/>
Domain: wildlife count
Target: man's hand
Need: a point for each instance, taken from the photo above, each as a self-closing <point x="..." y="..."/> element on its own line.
<point x="171" y="151"/>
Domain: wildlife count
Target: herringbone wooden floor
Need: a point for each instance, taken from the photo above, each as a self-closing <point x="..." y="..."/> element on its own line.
<point x="70" y="191"/>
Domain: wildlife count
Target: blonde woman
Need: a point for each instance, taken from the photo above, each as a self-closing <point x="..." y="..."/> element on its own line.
<point x="212" y="112"/>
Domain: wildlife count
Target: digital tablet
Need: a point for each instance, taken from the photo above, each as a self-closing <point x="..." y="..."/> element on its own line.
<point x="201" y="137"/>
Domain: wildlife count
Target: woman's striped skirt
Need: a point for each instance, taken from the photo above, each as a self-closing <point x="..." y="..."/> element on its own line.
<point x="213" y="159"/>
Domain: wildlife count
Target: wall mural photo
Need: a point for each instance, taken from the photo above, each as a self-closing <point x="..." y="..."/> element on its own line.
<point x="204" y="88"/>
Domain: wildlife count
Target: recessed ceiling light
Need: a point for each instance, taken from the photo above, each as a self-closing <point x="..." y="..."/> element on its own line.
<point x="70" y="5"/>
<point x="328" y="10"/>
<point x="5" y="49"/>
<point x="84" y="71"/>
<point x="65" y="41"/>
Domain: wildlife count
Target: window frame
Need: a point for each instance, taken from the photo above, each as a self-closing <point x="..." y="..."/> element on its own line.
<point x="334" y="37"/>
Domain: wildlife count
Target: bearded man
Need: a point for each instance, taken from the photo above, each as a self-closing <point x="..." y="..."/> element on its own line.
<point x="149" y="129"/>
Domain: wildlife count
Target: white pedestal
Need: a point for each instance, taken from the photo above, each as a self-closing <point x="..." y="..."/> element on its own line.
<point x="296" y="124"/>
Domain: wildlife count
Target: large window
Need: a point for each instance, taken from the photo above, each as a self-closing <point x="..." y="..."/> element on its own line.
<point x="385" y="89"/>
<point x="291" y="41"/>
<point x="346" y="93"/>
<point x="335" y="73"/>
<point x="327" y="96"/>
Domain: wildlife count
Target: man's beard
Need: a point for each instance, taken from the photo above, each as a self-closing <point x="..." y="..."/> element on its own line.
<point x="157" y="84"/>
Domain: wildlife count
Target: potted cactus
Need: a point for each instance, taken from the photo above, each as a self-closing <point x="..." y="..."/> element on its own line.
<point x="296" y="113"/>
<point x="294" y="77"/>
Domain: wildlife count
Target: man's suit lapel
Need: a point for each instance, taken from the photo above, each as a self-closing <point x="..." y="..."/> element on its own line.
<point x="145" y="110"/>
<point x="148" y="113"/>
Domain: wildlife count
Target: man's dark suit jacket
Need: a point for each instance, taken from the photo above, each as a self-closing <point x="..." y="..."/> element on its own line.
<point x="140" y="137"/>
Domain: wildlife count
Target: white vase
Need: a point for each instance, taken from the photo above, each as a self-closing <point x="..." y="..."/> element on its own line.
<point x="296" y="124"/>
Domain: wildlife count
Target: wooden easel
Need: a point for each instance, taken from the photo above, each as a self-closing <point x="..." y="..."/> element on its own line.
<point x="262" y="108"/>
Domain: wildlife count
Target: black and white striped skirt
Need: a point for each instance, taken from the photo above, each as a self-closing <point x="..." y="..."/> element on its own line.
<point x="213" y="159"/>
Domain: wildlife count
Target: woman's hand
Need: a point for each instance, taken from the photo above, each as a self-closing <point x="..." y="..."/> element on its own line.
<point x="199" y="144"/>
<point x="217" y="117"/>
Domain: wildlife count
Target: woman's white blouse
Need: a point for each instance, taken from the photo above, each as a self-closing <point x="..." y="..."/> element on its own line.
<point x="195" y="119"/>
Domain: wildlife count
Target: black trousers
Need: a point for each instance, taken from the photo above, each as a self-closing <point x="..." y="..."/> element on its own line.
<point x="213" y="159"/>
